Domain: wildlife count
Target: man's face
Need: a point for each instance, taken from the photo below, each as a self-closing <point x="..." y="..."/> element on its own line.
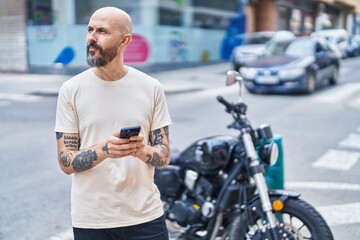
<point x="102" y="41"/>
<point x="97" y="56"/>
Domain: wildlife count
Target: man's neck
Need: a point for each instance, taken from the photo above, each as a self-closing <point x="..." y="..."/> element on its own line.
<point x="110" y="73"/>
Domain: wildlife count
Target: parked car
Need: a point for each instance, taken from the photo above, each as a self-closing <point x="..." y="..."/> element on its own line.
<point x="253" y="46"/>
<point x="337" y="38"/>
<point x="354" y="46"/>
<point x="296" y="66"/>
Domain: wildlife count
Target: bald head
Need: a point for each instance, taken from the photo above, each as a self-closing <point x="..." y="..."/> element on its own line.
<point x="114" y="17"/>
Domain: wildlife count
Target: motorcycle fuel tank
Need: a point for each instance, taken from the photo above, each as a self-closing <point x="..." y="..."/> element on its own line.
<point x="208" y="155"/>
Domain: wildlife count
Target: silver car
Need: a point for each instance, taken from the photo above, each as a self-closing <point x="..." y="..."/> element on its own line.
<point x="254" y="45"/>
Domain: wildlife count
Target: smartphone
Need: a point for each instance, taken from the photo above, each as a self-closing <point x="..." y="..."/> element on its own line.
<point x="129" y="131"/>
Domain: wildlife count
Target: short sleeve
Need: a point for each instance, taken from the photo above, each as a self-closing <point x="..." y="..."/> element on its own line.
<point x="161" y="115"/>
<point x="66" y="117"/>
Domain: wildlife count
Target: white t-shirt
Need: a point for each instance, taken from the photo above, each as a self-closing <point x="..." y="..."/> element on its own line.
<point x="117" y="192"/>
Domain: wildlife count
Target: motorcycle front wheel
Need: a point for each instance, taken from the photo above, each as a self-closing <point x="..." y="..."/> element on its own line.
<point x="297" y="220"/>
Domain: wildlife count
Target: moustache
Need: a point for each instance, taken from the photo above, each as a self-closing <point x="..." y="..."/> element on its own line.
<point x="94" y="45"/>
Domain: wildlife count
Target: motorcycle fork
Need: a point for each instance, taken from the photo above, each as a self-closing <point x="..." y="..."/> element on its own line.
<point x="260" y="183"/>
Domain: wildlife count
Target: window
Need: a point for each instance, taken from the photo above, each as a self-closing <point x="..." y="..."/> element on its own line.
<point x="170" y="17"/>
<point x="216" y="4"/>
<point x="85" y="8"/>
<point x="39" y="12"/>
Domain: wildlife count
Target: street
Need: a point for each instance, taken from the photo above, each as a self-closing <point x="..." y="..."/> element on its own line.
<point x="321" y="138"/>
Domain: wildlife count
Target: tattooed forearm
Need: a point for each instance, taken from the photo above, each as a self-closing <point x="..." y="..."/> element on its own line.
<point x="71" y="142"/>
<point x="84" y="160"/>
<point x="65" y="158"/>
<point x="165" y="151"/>
<point x="155" y="160"/>
<point x="105" y="148"/>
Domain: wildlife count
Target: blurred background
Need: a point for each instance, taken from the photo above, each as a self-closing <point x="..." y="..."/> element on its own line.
<point x="278" y="46"/>
<point x="40" y="35"/>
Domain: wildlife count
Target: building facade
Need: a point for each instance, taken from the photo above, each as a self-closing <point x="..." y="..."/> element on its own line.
<point x="38" y="34"/>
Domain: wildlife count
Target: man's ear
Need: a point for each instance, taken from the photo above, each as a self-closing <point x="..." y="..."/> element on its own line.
<point x="126" y="40"/>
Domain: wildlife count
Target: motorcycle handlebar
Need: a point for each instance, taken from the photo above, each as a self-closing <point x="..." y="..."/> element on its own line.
<point x="229" y="106"/>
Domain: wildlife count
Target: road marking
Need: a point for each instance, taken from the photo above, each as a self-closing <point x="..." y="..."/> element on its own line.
<point x="323" y="186"/>
<point x="348" y="213"/>
<point x="337" y="94"/>
<point x="65" y="235"/>
<point x="337" y="160"/>
<point x="19" y="97"/>
<point x="352" y="141"/>
<point x="337" y="214"/>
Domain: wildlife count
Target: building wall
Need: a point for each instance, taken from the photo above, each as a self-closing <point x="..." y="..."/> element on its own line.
<point x="13" y="46"/>
<point x="266" y="16"/>
<point x="152" y="43"/>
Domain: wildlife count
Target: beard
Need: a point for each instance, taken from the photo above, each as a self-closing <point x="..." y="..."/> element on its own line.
<point x="105" y="55"/>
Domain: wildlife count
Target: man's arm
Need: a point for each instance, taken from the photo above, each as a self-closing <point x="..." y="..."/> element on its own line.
<point x="157" y="153"/>
<point x="71" y="159"/>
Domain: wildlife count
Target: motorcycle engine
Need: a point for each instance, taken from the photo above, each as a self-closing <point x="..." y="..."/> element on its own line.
<point x="197" y="203"/>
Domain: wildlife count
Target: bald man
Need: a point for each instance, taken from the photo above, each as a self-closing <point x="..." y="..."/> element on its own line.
<point x="113" y="194"/>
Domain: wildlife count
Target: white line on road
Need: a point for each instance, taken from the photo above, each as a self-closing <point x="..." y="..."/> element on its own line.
<point x="341" y="214"/>
<point x="337" y="160"/>
<point x="65" y="235"/>
<point x="338" y="214"/>
<point x="323" y="186"/>
<point x="339" y="93"/>
<point x="352" y="141"/>
<point x="19" y="97"/>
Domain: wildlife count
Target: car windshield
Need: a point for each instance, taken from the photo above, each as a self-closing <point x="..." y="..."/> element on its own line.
<point x="300" y="48"/>
<point x="276" y="47"/>
<point x="257" y="39"/>
<point x="295" y="48"/>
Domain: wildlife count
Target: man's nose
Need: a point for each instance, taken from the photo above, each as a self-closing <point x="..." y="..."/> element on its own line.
<point x="91" y="37"/>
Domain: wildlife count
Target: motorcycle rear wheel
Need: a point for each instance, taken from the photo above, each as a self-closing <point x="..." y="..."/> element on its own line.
<point x="297" y="220"/>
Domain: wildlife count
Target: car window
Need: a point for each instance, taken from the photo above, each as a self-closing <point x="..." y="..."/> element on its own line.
<point x="257" y="39"/>
<point x="300" y="48"/>
<point x="276" y="47"/>
<point x="322" y="46"/>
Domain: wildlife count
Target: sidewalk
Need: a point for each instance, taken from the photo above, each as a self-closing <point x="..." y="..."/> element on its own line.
<point x="173" y="81"/>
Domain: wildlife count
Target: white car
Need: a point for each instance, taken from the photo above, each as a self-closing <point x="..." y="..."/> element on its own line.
<point x="337" y="38"/>
<point x="254" y="45"/>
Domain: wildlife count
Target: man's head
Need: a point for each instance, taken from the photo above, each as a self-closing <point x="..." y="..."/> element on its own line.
<point x="108" y="34"/>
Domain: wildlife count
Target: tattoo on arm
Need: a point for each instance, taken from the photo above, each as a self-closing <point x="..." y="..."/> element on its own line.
<point x="59" y="135"/>
<point x="160" y="136"/>
<point x="65" y="158"/>
<point x="84" y="160"/>
<point x="105" y="148"/>
<point x="72" y="142"/>
<point x="155" y="160"/>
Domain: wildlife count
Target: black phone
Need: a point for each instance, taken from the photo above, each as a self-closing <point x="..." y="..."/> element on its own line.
<point x="129" y="131"/>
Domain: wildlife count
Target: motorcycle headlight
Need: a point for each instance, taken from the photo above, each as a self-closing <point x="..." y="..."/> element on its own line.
<point x="291" y="73"/>
<point x="269" y="153"/>
<point x="248" y="73"/>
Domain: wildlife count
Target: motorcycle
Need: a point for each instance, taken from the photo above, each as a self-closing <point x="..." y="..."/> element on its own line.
<point x="216" y="188"/>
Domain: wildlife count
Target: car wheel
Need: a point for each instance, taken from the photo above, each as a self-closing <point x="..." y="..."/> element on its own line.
<point x="310" y="83"/>
<point x="334" y="77"/>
